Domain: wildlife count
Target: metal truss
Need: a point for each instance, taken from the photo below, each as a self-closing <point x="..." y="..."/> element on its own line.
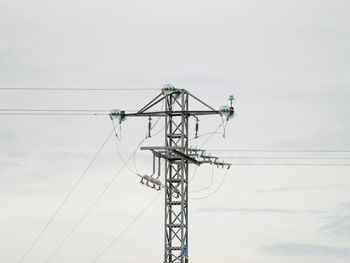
<point x="177" y="156"/>
<point x="176" y="177"/>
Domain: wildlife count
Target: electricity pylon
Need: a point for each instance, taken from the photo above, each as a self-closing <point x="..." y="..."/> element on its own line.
<point x="177" y="156"/>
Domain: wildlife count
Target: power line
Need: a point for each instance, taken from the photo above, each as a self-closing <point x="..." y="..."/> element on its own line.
<point x="126" y="229"/>
<point x="194" y="173"/>
<point x="291" y="164"/>
<point x="279" y="150"/>
<point x="57" y="112"/>
<point x="207" y="187"/>
<point x="136" y="172"/>
<point x="118" y="150"/>
<point x="65" y="199"/>
<point x="211" y="135"/>
<point x="139" y="215"/>
<point x="53" y="114"/>
<point x="216" y="190"/>
<point x="261" y="164"/>
<point x="74" y="89"/>
<point x="286" y="158"/>
<point x="54" y="110"/>
<point x="99" y="197"/>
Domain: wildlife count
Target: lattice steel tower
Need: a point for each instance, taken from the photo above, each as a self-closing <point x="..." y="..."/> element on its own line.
<point x="177" y="156"/>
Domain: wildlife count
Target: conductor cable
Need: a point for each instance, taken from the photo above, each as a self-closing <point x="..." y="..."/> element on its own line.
<point x="69" y="194"/>
<point x="214" y="192"/>
<point x="92" y="206"/>
<point x="114" y="241"/>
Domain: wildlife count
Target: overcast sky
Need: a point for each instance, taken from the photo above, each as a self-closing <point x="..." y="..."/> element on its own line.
<point x="286" y="62"/>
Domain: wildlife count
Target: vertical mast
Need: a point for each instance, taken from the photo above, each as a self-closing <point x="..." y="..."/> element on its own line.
<point x="176" y="177"/>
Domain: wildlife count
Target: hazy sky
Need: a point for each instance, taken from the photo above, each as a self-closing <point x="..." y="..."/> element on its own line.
<point x="286" y="62"/>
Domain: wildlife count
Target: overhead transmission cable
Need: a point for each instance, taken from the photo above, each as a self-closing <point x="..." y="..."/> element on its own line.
<point x="98" y="198"/>
<point x="290" y="164"/>
<point x="52" y="110"/>
<point x="136" y="172"/>
<point x="286" y="158"/>
<point x="69" y="194"/>
<point x="214" y="192"/>
<point x="118" y="150"/>
<point x="194" y="173"/>
<point x="282" y="150"/>
<point x="208" y="186"/>
<point x="140" y="214"/>
<point x="114" y="241"/>
<point x="91" y="207"/>
<point x="73" y="89"/>
<point x="212" y="180"/>
<point x="53" y="114"/>
<point x="273" y="157"/>
<point x="59" y="112"/>
<point x="205" y="134"/>
<point x="146" y="135"/>
<point x="211" y="134"/>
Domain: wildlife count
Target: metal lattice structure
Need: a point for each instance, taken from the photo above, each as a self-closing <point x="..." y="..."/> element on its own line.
<point x="176" y="177"/>
<point x="177" y="156"/>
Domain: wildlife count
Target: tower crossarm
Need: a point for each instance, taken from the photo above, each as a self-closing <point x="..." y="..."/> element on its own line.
<point x="173" y="113"/>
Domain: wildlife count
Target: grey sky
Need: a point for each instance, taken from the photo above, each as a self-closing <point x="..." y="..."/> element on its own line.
<point x="286" y="62"/>
<point x="293" y="250"/>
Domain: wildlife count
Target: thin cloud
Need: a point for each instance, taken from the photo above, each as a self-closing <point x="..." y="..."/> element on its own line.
<point x="302" y="188"/>
<point x="301" y="250"/>
<point x="339" y="221"/>
<point x="257" y="210"/>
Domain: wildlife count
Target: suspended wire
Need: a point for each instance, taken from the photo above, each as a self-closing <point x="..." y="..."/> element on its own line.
<point x="118" y="150"/>
<point x="210" y="136"/>
<point x="208" y="139"/>
<point x="285" y="158"/>
<point x="136" y="172"/>
<point x="115" y="131"/>
<point x="59" y="208"/>
<point x="281" y="150"/>
<point x="140" y="214"/>
<point x="212" y="193"/>
<point x="114" y="241"/>
<point x="103" y="192"/>
<point x="54" y="114"/>
<point x="154" y="134"/>
<point x="39" y="110"/>
<point x="291" y="164"/>
<point x="74" y="89"/>
<point x="157" y="132"/>
<point x="194" y="173"/>
<point x="146" y="135"/>
<point x="211" y="182"/>
<point x="224" y="126"/>
<point x="58" y="110"/>
<point x="99" y="197"/>
<point x="205" y="134"/>
<point x="274" y="164"/>
<point x="134" y="164"/>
